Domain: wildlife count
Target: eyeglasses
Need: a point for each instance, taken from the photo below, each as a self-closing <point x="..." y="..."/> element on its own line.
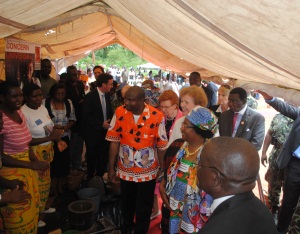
<point x="184" y="125"/>
<point x="166" y="107"/>
<point x="200" y="165"/>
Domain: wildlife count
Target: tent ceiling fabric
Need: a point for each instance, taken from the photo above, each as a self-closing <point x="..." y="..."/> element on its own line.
<point x="244" y="40"/>
<point x="233" y="38"/>
<point x="31" y="12"/>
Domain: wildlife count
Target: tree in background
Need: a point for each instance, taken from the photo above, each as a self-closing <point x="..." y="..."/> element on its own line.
<point x="112" y="55"/>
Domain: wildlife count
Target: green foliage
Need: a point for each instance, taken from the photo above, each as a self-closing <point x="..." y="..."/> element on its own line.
<point x="112" y="55"/>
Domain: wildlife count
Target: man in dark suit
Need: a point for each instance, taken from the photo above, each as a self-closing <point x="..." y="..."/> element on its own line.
<point x="241" y="121"/>
<point x="228" y="174"/>
<point x="289" y="159"/>
<point x="75" y="92"/>
<point x="96" y="115"/>
<point x="195" y="79"/>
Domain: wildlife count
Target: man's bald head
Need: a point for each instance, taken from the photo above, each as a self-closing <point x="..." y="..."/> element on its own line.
<point x="234" y="165"/>
<point x="134" y="100"/>
<point x="137" y="91"/>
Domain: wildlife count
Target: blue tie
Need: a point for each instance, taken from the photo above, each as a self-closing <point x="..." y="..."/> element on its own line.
<point x="103" y="103"/>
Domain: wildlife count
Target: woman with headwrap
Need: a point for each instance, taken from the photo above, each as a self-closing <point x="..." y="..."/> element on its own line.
<point x="190" y="97"/>
<point x="189" y="206"/>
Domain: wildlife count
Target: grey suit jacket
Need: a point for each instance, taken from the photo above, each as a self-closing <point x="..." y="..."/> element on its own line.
<point x="251" y="128"/>
<point x="293" y="140"/>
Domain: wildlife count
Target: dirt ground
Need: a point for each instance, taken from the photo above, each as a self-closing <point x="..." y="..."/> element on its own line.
<point x="268" y="112"/>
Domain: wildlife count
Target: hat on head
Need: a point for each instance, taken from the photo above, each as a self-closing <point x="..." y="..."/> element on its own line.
<point x="204" y="119"/>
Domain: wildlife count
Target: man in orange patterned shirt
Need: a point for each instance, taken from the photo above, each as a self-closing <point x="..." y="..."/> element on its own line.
<point x="136" y="130"/>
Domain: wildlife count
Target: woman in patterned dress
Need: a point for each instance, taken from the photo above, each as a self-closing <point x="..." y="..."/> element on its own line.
<point x="189" y="206"/>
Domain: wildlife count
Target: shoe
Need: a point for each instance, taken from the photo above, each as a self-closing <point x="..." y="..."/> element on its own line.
<point x="41" y="223"/>
<point x="153" y="216"/>
<point x="48" y="211"/>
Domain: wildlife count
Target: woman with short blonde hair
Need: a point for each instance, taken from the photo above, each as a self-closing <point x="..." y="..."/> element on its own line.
<point x="196" y="93"/>
<point x="223" y="93"/>
<point x="190" y="97"/>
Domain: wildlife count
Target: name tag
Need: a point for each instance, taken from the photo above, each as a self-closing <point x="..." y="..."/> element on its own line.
<point x="184" y="167"/>
<point x="38" y="122"/>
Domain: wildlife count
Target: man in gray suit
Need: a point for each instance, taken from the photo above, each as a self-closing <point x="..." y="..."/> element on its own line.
<point x="242" y="121"/>
<point x="289" y="158"/>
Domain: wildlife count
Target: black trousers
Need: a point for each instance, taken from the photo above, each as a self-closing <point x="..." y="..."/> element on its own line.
<point x="60" y="166"/>
<point x="165" y="220"/>
<point x="137" y="199"/>
<point x="96" y="157"/>
<point x="291" y="193"/>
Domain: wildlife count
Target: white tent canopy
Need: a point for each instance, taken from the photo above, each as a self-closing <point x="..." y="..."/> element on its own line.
<point x="248" y="41"/>
<point x="148" y="66"/>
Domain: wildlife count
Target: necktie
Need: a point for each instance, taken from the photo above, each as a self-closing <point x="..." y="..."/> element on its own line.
<point x="103" y="104"/>
<point x="235" y="116"/>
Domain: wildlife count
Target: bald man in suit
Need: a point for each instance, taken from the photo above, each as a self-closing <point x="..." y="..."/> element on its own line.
<point x="228" y="174"/>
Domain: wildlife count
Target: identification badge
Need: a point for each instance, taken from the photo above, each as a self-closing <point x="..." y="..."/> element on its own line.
<point x="184" y="167"/>
<point x="38" y="122"/>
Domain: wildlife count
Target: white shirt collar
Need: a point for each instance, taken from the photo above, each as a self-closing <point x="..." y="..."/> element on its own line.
<point x="99" y="91"/>
<point x="218" y="201"/>
<point x="242" y="111"/>
<point x="219" y="109"/>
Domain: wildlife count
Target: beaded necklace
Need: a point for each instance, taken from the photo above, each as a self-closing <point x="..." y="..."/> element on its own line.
<point x="188" y="153"/>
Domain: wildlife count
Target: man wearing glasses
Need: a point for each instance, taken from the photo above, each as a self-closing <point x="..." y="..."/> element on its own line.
<point x="229" y="174"/>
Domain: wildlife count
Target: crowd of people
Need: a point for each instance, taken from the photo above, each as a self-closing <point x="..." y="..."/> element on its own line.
<point x="196" y="145"/>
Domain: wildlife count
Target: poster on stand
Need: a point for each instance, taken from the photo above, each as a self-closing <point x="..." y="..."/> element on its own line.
<point x="21" y="60"/>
